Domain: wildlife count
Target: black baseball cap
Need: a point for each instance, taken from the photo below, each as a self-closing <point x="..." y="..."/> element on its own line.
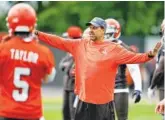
<point x="97" y="22"/>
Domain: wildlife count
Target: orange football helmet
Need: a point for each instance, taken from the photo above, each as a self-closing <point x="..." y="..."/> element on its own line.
<point x="113" y="30"/>
<point x="21" y="18"/>
<point x="74" y="32"/>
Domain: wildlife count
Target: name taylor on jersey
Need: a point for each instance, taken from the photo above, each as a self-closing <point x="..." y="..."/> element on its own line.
<point x="24" y="55"/>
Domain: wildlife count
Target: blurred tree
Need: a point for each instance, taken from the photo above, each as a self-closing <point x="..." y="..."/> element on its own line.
<point x="141" y="16"/>
<point x="136" y="17"/>
<point x="3" y="26"/>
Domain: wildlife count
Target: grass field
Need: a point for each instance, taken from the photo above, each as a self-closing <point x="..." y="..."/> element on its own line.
<point x="141" y="111"/>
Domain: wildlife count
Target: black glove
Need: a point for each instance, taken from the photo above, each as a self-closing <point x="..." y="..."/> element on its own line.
<point x="137" y="95"/>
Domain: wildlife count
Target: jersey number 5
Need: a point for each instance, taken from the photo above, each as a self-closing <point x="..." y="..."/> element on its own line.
<point x="22" y="95"/>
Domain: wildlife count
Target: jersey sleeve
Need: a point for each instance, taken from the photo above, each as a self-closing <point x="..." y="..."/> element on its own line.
<point x="50" y="70"/>
<point x="67" y="45"/>
<point x="124" y="56"/>
<point x="50" y="62"/>
<point x="135" y="73"/>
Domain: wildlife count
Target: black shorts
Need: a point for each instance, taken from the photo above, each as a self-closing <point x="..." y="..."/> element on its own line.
<point x="88" y="111"/>
<point x="3" y="118"/>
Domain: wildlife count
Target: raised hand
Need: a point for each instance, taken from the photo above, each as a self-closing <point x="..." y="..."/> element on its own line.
<point x="154" y="52"/>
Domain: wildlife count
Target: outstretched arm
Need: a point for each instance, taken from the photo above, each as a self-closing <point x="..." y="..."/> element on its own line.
<point x="67" y="45"/>
<point x="127" y="57"/>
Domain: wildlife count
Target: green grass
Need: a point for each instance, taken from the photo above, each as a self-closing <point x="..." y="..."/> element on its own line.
<point x="140" y="111"/>
<point x="143" y="111"/>
<point x="53" y="109"/>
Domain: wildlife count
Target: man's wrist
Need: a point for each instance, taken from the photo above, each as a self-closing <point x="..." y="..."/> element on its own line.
<point x="150" y="54"/>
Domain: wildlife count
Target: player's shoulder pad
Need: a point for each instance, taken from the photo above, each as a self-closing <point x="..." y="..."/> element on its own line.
<point x="120" y="41"/>
<point x="117" y="41"/>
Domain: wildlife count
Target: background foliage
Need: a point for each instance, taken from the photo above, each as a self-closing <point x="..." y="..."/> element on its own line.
<point x="136" y="17"/>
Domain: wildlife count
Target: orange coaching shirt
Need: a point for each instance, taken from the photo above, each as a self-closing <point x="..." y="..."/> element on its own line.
<point x="22" y="67"/>
<point x="96" y="65"/>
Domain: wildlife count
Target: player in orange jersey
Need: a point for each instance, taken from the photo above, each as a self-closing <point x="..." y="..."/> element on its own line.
<point x="96" y="63"/>
<point x="24" y="65"/>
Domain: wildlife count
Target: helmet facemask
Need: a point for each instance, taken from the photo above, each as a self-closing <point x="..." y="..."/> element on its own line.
<point x="110" y="33"/>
